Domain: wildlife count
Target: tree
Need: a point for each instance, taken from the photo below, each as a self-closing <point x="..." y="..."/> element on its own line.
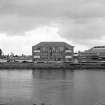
<point x="1" y="52"/>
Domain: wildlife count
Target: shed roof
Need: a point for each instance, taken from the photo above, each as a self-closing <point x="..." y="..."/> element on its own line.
<point x="97" y="49"/>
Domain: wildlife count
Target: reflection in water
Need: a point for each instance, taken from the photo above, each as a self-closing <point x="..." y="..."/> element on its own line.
<point x="56" y="87"/>
<point x="15" y="85"/>
<point x="89" y="86"/>
<point x="52" y="74"/>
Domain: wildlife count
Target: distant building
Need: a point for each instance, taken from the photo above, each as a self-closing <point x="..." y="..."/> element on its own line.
<point x="52" y="52"/>
<point x="99" y="50"/>
<point x="87" y="57"/>
<point x="95" y="54"/>
<point x="23" y="59"/>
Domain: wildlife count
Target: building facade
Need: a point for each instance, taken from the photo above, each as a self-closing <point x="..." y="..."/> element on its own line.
<point x="87" y="57"/>
<point x="52" y="52"/>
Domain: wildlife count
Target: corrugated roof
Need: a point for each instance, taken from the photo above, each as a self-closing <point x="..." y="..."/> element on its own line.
<point x="97" y="49"/>
<point x="53" y="44"/>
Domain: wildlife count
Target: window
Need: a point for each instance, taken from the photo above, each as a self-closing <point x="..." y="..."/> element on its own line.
<point x="36" y="50"/>
<point x="68" y="56"/>
<point x="36" y="56"/>
<point x="61" y="48"/>
<point x="53" y="49"/>
<point x="44" y="48"/>
<point x="68" y="51"/>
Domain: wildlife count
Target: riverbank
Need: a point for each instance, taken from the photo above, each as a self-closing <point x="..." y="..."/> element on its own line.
<point x="52" y="66"/>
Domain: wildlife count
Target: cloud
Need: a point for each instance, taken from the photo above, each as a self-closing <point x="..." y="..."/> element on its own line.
<point x="16" y="25"/>
<point x="23" y="44"/>
<point x="54" y="8"/>
<point x="83" y="30"/>
<point x="80" y="21"/>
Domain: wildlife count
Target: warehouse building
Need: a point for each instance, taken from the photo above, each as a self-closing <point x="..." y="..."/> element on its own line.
<point x="95" y="54"/>
<point x="52" y="52"/>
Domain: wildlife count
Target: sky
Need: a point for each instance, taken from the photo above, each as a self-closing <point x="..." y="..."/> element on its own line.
<point x="24" y="23"/>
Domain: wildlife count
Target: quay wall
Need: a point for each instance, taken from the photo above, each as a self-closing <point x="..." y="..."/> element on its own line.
<point x="52" y="66"/>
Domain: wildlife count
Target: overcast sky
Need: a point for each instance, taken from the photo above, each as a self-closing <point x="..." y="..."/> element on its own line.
<point x="24" y="23"/>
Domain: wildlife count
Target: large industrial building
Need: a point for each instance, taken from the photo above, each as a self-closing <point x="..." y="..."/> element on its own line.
<point x="95" y="54"/>
<point x="52" y="52"/>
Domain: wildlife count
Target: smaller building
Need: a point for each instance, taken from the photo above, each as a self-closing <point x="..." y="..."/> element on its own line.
<point x="99" y="50"/>
<point x="23" y="59"/>
<point x="95" y="54"/>
<point x="47" y="52"/>
<point x="87" y="57"/>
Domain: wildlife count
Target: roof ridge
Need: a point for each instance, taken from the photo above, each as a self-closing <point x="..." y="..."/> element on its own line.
<point x="53" y="43"/>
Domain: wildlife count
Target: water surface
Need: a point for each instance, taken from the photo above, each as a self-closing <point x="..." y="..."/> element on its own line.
<point x="56" y="87"/>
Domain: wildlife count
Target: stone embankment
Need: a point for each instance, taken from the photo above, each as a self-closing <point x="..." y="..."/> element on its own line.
<point x="52" y="66"/>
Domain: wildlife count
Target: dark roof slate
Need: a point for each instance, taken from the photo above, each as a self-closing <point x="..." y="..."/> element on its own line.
<point x="52" y="44"/>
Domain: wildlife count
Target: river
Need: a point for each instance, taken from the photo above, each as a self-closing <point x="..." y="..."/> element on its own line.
<point x="52" y="87"/>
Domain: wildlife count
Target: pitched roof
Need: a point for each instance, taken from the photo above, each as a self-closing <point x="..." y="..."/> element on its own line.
<point x="97" y="49"/>
<point x="52" y="44"/>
